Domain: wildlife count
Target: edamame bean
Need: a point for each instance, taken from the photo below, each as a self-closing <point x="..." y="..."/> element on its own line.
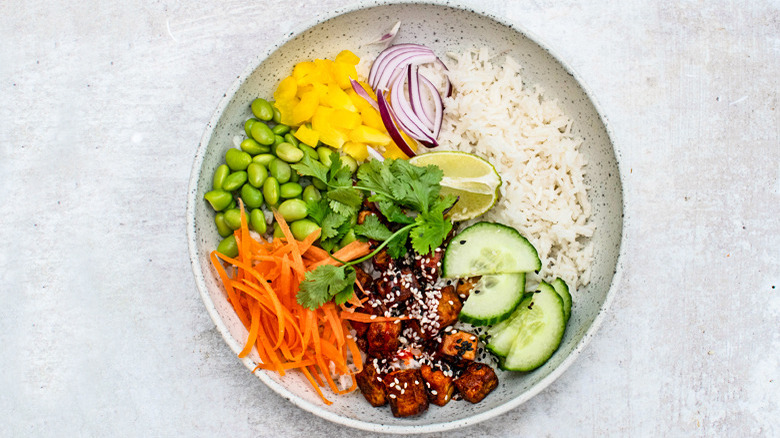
<point x="252" y="197"/>
<point x="290" y="138"/>
<point x="262" y="133"/>
<point x="248" y="127"/>
<point x="233" y="218"/>
<point x="219" y="176"/>
<point x="348" y="238"/>
<point x="290" y="190"/>
<point x="289" y="153"/>
<point x="302" y="228"/>
<point x="294" y="177"/>
<point x="234" y="181"/>
<point x="280" y="129"/>
<point x="324" y="152"/>
<point x="280" y="170"/>
<point x="271" y="191"/>
<point x="257" y="220"/>
<point x="256" y="174"/>
<point x="228" y="246"/>
<point x="319" y="184"/>
<point x="277" y="115"/>
<point x="262" y="109"/>
<point x="311" y="194"/>
<point x="219" y="199"/>
<point x="222" y="228"/>
<point x="350" y="162"/>
<point x="293" y="210"/>
<point x="278" y="139"/>
<point x="277" y="231"/>
<point x="308" y="150"/>
<point x="233" y="204"/>
<point x="253" y="148"/>
<point x="264" y="159"/>
<point x="237" y="160"/>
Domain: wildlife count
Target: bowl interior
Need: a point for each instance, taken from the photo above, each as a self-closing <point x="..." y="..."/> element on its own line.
<point x="444" y="29"/>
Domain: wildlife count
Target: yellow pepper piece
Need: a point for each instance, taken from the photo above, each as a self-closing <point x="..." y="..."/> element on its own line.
<point x="358" y="151"/>
<point x="307" y="136"/>
<point x="342" y="72"/>
<point x="286" y="110"/>
<point x="302" y="69"/>
<point x="322" y="122"/>
<point x="371" y="118"/>
<point x="367" y="134"/>
<point x="286" y="90"/>
<point x="392" y="151"/>
<point x="347" y="57"/>
<point x="324" y="71"/>
<point x="337" y="98"/>
<point x="342" y="118"/>
<point x="306" y="108"/>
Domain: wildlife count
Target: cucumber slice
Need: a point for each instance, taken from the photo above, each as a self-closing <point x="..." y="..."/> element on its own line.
<point x="563" y="290"/>
<point x="487" y="248"/>
<point x="503" y="335"/>
<point x="540" y="329"/>
<point x="497" y="298"/>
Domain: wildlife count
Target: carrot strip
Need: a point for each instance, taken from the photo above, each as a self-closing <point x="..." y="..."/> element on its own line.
<point x="250" y="340"/>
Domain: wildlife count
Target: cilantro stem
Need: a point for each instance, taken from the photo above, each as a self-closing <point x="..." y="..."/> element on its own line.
<point x="380" y="247"/>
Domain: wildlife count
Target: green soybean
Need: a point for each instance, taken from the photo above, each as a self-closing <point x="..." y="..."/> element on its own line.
<point x="293" y="210"/>
<point x="289" y="138"/>
<point x="252" y="197"/>
<point x="348" y="238"/>
<point x="280" y="170"/>
<point x="233" y="218"/>
<point x="228" y="246"/>
<point x="237" y="160"/>
<point x="311" y="194"/>
<point x="233" y="204"/>
<point x="319" y="184"/>
<point x="219" y="199"/>
<point x="234" y="181"/>
<point x="253" y="148"/>
<point x="303" y="228"/>
<point x="248" y="126"/>
<point x="256" y="174"/>
<point x="350" y="162"/>
<point x="280" y="129"/>
<point x="257" y="220"/>
<point x="278" y="139"/>
<point x="290" y="190"/>
<point x="294" y="177"/>
<point x="262" y="109"/>
<point x="262" y="133"/>
<point x="288" y="152"/>
<point x="324" y="152"/>
<point x="277" y="231"/>
<point x="308" y="150"/>
<point x="264" y="159"/>
<point x="277" y="115"/>
<point x="271" y="191"/>
<point x="219" y="176"/>
<point x="222" y="228"/>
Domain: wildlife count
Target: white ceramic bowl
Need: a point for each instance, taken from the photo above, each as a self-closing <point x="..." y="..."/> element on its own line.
<point x="443" y="28"/>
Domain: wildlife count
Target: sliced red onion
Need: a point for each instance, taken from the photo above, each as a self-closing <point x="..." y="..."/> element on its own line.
<point x="415" y="98"/>
<point x="385" y="69"/>
<point x="438" y="105"/>
<point x="407" y="118"/>
<point x="388" y="118"/>
<point x="389" y="36"/>
<point x="360" y="91"/>
<point x="375" y="154"/>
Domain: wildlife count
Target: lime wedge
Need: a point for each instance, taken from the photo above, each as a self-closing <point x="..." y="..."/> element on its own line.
<point x="467" y="176"/>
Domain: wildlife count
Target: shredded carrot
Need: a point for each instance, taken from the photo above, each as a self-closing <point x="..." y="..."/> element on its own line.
<point x="262" y="287"/>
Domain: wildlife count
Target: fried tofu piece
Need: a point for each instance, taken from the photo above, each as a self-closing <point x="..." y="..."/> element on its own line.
<point x="397" y="287"/>
<point x="383" y="338"/>
<point x="440" y="386"/>
<point x="459" y="346"/>
<point x="364" y="278"/>
<point x="429" y="266"/>
<point x="476" y="382"/>
<point x="406" y="393"/>
<point x="371" y="385"/>
<point x="466" y="286"/>
<point x="449" y="307"/>
<point x="382" y="261"/>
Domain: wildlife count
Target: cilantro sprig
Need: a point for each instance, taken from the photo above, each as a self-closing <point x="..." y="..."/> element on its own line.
<point x="408" y="197"/>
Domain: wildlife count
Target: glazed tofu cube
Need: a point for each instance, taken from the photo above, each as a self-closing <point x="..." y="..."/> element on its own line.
<point x="459" y="346"/>
<point x="382" y="338"/>
<point x="449" y="307"/>
<point x="465" y="286"/>
<point x="397" y="287"/>
<point x="382" y="261"/>
<point x="429" y="266"/>
<point x="371" y="385"/>
<point x="406" y="393"/>
<point x="476" y="382"/>
<point x="440" y="386"/>
<point x="364" y="279"/>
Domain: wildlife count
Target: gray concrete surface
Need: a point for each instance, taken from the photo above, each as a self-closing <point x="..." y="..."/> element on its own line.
<point x="102" y="331"/>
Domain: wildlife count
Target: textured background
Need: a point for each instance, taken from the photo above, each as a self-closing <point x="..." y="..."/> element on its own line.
<point x="102" y="331"/>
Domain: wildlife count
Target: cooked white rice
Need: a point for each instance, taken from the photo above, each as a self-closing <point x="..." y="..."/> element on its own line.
<point x="528" y="138"/>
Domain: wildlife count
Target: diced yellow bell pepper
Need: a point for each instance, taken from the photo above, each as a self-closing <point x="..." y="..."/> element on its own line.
<point x="286" y="90"/>
<point x="286" y="110"/>
<point x="325" y="71"/>
<point x="309" y="103"/>
<point x="337" y="98"/>
<point x="307" y="135"/>
<point x="392" y="151"/>
<point x="358" y="151"/>
<point x="371" y="117"/>
<point x="344" y="119"/>
<point x="342" y="72"/>
<point x="302" y="69"/>
<point x="322" y="122"/>
<point x="347" y="57"/>
<point x="367" y="134"/>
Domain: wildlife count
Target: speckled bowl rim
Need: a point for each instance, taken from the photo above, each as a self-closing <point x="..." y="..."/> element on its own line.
<point x="317" y="409"/>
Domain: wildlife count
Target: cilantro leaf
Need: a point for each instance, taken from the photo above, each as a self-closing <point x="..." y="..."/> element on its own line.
<point x="376" y="176"/>
<point x="416" y="187"/>
<point x="431" y="228"/>
<point x="396" y="247"/>
<point x="317" y="210"/>
<point x="390" y="210"/>
<point x="321" y="284"/>
<point x="330" y="225"/>
<point x="309" y="167"/>
<point x="373" y="229"/>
